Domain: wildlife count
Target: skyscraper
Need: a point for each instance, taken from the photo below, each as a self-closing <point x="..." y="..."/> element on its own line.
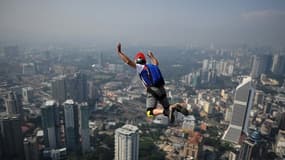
<point x="13" y="104"/>
<point x="84" y="127"/>
<point x="261" y="64"/>
<point x="71" y="125"/>
<point x="278" y="64"/>
<point x="51" y="124"/>
<point x="27" y="94"/>
<point x="258" y="98"/>
<point x="11" y="138"/>
<point x="31" y="148"/>
<point x="80" y="87"/>
<point x="58" y="89"/>
<point x="55" y="154"/>
<point x="240" y="116"/>
<point x="70" y="87"/>
<point x="252" y="148"/>
<point x="280" y="143"/>
<point x="127" y="143"/>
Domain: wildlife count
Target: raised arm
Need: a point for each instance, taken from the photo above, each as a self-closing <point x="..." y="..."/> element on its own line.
<point x="124" y="57"/>
<point x="152" y="58"/>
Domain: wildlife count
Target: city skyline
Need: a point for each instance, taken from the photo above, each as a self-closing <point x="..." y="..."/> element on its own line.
<point x="66" y="94"/>
<point x="159" y="23"/>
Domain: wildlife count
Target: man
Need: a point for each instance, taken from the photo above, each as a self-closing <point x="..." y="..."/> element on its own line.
<point x="155" y="91"/>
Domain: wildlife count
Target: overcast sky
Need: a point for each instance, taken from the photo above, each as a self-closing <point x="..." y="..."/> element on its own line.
<point x="146" y="22"/>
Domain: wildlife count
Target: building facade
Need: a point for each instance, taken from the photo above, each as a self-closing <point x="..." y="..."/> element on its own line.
<point x="51" y="124"/>
<point x="13" y="104"/>
<point x="31" y="148"/>
<point x="71" y="126"/>
<point x="11" y="138"/>
<point x="84" y="127"/>
<point x="252" y="148"/>
<point x="127" y="143"/>
<point x="243" y="100"/>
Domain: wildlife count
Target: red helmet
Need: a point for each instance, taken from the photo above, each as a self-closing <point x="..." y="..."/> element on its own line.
<point x="140" y="58"/>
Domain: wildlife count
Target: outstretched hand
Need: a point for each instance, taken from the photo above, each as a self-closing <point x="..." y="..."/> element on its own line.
<point x="119" y="48"/>
<point x="149" y="54"/>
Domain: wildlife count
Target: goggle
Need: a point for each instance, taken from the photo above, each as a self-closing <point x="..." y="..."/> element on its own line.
<point x="140" y="61"/>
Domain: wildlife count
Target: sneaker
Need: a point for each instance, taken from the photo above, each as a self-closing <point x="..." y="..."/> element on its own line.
<point x="182" y="110"/>
<point x="171" y="116"/>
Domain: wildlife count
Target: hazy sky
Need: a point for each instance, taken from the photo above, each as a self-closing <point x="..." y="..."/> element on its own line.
<point x="155" y="22"/>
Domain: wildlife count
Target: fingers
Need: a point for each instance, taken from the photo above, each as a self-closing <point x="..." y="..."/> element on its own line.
<point x="119" y="47"/>
<point x="149" y="54"/>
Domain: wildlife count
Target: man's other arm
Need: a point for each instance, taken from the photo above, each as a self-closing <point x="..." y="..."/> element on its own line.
<point x="124" y="57"/>
<point x="152" y="58"/>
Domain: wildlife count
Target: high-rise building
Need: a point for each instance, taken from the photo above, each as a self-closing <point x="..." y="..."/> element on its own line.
<point x="205" y="65"/>
<point x="278" y="64"/>
<point x="51" y="124"/>
<point x="243" y="100"/>
<point x="27" y="94"/>
<point x="71" y="125"/>
<point x="258" y="98"/>
<point x="70" y="87"/>
<point x="84" y="127"/>
<point x="13" y="104"/>
<point x="229" y="112"/>
<point x="188" y="123"/>
<point x="55" y="154"/>
<point x="31" y="148"/>
<point x="92" y="90"/>
<point x="58" y="89"/>
<point x="76" y="87"/>
<point x="268" y="105"/>
<point x="28" y="69"/>
<point x="11" y="138"/>
<point x="252" y="148"/>
<point x="80" y="89"/>
<point x="280" y="144"/>
<point x="127" y="143"/>
<point x="261" y="64"/>
<point x="281" y="121"/>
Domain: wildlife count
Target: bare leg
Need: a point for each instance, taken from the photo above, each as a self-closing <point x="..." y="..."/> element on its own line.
<point x="181" y="107"/>
<point x="157" y="111"/>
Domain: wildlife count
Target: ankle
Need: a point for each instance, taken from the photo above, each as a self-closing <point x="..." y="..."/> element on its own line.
<point x="166" y="112"/>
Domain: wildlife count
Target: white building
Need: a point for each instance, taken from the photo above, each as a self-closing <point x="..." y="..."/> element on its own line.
<point x="27" y="94"/>
<point x="127" y="143"/>
<point x="240" y="116"/>
<point x="280" y="143"/>
<point x="189" y="122"/>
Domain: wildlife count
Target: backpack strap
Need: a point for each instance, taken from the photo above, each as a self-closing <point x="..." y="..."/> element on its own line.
<point x="148" y="73"/>
<point x="145" y="76"/>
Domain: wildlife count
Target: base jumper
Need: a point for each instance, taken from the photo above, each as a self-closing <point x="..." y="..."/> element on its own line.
<point x="153" y="81"/>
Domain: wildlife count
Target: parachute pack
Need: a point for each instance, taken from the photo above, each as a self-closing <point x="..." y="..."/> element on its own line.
<point x="155" y="75"/>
